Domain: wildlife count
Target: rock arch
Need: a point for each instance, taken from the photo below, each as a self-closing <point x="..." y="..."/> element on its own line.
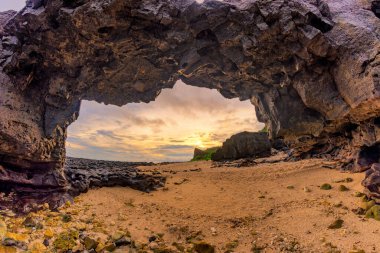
<point x="310" y="67"/>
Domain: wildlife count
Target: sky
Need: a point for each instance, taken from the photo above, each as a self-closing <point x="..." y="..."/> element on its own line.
<point x="167" y="129"/>
<point x="6" y="5"/>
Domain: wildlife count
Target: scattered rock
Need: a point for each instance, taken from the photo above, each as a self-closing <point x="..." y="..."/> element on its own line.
<point x="66" y="241"/>
<point x="182" y="181"/>
<point x="359" y="211"/>
<point x="32" y="222"/>
<point x="123" y="241"/>
<point x="345" y="180"/>
<point x="6" y="249"/>
<point x="3" y="229"/>
<point x="90" y="243"/>
<point x="46" y="242"/>
<point x="373" y="212"/>
<point x="326" y="187"/>
<point x="356" y="251"/>
<point x="49" y="233"/>
<point x="231" y="246"/>
<point x="366" y="205"/>
<point x="37" y="247"/>
<point x="343" y="188"/>
<point x="152" y="238"/>
<point x="203" y="247"/>
<point x="358" y="194"/>
<point x="118" y="235"/>
<point x="110" y="247"/>
<point x="336" y="224"/>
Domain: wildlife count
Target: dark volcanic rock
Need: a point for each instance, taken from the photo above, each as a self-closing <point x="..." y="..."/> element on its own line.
<point x="311" y="68"/>
<point x="244" y="145"/>
<point x="83" y="174"/>
<point x="371" y="182"/>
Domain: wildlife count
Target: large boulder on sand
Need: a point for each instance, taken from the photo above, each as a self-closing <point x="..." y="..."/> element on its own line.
<point x="242" y="145"/>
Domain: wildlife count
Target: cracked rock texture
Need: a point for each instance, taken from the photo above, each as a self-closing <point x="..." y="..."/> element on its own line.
<point x="244" y="145"/>
<point x="310" y="67"/>
<point x="84" y="174"/>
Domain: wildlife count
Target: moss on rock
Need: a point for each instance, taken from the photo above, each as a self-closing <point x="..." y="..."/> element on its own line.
<point x="326" y="187"/>
<point x="66" y="240"/>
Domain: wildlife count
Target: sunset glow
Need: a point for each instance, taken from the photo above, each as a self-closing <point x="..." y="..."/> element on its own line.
<point x="167" y="129"/>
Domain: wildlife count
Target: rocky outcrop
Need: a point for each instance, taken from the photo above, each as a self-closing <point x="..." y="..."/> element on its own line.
<point x="244" y="145"/>
<point x="84" y="174"/>
<point x="371" y="182"/>
<point x="200" y="154"/>
<point x="311" y="68"/>
<point x="81" y="175"/>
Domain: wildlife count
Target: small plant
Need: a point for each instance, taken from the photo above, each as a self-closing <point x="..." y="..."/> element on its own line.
<point x="129" y="203"/>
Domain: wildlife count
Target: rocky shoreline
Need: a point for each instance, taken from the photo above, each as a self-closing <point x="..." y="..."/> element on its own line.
<point x="82" y="175"/>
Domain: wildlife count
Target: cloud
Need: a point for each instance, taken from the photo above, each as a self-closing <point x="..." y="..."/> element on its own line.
<point x="167" y="129"/>
<point x="174" y="147"/>
<point x="109" y="134"/>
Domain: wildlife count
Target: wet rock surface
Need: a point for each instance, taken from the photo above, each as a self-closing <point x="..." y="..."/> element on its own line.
<point x="311" y="68"/>
<point x="243" y="145"/>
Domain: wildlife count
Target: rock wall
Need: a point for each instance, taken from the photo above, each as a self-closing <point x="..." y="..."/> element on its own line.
<point x="311" y="68"/>
<point x="244" y="145"/>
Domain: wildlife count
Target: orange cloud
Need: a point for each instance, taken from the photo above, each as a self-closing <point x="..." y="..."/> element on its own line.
<point x="164" y="130"/>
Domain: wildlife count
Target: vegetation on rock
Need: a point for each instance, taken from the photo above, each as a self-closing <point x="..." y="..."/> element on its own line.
<point x="205" y="155"/>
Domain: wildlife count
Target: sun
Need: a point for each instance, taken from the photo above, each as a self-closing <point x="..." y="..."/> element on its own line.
<point x="198" y="143"/>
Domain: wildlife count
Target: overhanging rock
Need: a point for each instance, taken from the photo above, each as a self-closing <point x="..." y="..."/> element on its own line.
<point x="311" y="68"/>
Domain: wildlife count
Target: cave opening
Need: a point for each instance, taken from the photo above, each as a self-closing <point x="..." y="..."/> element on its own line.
<point x="375" y="7"/>
<point x="368" y="155"/>
<point x="165" y="130"/>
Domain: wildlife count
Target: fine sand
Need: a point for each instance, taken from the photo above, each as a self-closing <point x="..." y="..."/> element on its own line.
<point x="242" y="209"/>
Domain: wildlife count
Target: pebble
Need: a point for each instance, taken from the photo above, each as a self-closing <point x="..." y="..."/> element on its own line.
<point x="213" y="231"/>
<point x="306" y="189"/>
<point x="3" y="229"/>
<point x="326" y="187"/>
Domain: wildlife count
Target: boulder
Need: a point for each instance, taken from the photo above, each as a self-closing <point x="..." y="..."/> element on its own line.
<point x="371" y="182"/>
<point x="243" y="145"/>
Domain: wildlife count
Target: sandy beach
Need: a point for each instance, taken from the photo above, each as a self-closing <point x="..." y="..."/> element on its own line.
<point x="274" y="207"/>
